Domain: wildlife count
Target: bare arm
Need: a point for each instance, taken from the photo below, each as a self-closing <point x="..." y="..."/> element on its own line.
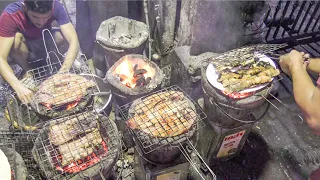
<point x="6" y="72"/>
<point x="307" y="96"/>
<point x="70" y="34"/>
<point x="314" y="65"/>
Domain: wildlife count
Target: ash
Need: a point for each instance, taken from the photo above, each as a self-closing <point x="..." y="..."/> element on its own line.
<point x="124" y="166"/>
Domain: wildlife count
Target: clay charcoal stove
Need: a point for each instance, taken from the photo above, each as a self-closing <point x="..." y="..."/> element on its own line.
<point x="161" y="122"/>
<point x="18" y="146"/>
<point x="234" y="113"/>
<point x="133" y="76"/>
<point x="238" y="104"/>
<point x="83" y="145"/>
<point x="13" y="160"/>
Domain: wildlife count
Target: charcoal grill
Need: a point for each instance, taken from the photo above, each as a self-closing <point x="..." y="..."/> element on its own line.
<point x="31" y="118"/>
<point x="166" y="147"/>
<point x="231" y="118"/>
<point x="124" y="94"/>
<point x="99" y="161"/>
<point x="55" y="111"/>
<point x="17" y="165"/>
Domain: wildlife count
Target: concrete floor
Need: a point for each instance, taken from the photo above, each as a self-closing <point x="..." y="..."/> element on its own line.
<point x="280" y="146"/>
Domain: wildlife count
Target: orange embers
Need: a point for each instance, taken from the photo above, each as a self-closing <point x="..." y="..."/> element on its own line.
<point x="84" y="163"/>
<point x="134" y="72"/>
<point x="67" y="106"/>
<point x="237" y="95"/>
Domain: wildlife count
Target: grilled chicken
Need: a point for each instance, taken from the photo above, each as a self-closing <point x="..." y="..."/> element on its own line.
<point x="64" y="129"/>
<point x="164" y="114"/>
<point x="62" y="88"/>
<point x="80" y="148"/>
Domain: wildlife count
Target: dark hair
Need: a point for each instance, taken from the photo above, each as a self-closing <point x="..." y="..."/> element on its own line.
<point x="41" y="7"/>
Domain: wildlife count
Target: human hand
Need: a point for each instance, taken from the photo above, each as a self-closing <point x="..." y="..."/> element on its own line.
<point x="24" y="94"/>
<point x="292" y="59"/>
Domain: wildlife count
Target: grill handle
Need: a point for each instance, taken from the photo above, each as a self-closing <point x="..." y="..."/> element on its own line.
<point x="225" y="113"/>
<point x="186" y="153"/>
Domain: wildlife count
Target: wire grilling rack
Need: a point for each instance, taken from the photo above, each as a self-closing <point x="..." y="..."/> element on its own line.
<point x="168" y="117"/>
<point x="84" y="145"/>
<point x="245" y="55"/>
<point x="260" y="48"/>
<point x="163" y="118"/>
<point x="22" y="143"/>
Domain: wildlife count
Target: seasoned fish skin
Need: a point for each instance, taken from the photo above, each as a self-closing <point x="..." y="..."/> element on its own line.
<point x="62" y="130"/>
<point x="62" y="88"/>
<point x="79" y="148"/>
<point x="258" y="73"/>
<point x="163" y="115"/>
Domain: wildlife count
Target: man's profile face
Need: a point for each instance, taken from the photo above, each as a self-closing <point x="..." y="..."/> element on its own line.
<point x="38" y="19"/>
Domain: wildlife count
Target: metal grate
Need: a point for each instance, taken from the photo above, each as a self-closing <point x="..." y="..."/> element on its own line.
<point x="251" y="49"/>
<point x="41" y="73"/>
<point x="57" y="95"/>
<point x="290" y="21"/>
<point x="82" y="144"/>
<point x="15" y="114"/>
<point x="165" y="117"/>
<point x="22" y="143"/>
<point x="244" y="56"/>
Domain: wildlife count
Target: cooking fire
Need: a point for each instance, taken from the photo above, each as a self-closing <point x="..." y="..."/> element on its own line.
<point x="71" y="145"/>
<point x="84" y="163"/>
<point x="133" y="73"/>
<point x="238" y="95"/>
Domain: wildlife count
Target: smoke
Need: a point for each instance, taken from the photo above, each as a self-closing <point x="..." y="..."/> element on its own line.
<point x="220" y="25"/>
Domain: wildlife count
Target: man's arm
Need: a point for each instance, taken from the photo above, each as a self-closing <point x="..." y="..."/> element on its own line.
<point x="314" y="65"/>
<point x="307" y="96"/>
<point x="70" y="34"/>
<point x="6" y="72"/>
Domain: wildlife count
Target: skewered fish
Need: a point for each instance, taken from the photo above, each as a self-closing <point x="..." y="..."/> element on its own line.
<point x="246" y="83"/>
<point x="164" y="114"/>
<point x="62" y="88"/>
<point x="229" y="75"/>
<point x="259" y="73"/>
<point x="80" y="148"/>
<point x="64" y="129"/>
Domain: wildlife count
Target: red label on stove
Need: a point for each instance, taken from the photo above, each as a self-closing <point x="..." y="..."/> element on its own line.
<point x="230" y="144"/>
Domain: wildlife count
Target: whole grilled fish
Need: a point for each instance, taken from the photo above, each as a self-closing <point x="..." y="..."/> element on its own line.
<point x="60" y="89"/>
<point x="165" y="114"/>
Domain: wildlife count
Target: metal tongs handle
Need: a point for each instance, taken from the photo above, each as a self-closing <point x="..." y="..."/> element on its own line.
<point x="193" y="164"/>
<point x="294" y="113"/>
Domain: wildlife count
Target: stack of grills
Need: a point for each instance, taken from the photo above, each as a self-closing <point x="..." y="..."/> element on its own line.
<point x="68" y="138"/>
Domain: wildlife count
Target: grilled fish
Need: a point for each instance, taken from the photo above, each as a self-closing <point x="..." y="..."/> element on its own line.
<point x="64" y="129"/>
<point x="164" y="114"/>
<point x="62" y="88"/>
<point x="249" y="82"/>
<point x="80" y="148"/>
<point x="258" y="73"/>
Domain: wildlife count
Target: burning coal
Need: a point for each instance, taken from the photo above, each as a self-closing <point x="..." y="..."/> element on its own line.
<point x="237" y="95"/>
<point x="133" y="73"/>
<point x="84" y="163"/>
